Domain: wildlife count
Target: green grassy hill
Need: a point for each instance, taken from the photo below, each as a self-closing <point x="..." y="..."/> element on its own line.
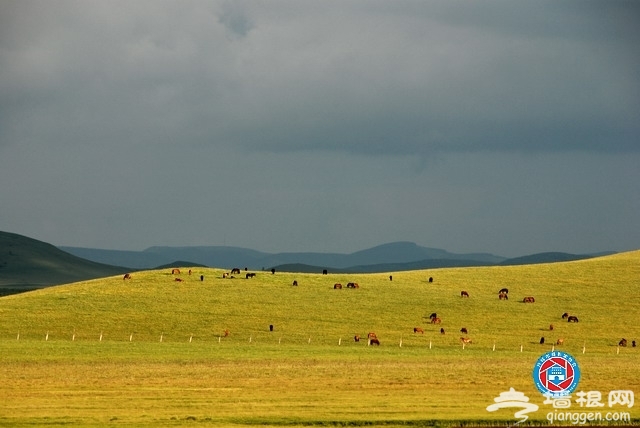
<point x="153" y="350"/>
<point x="27" y="264"/>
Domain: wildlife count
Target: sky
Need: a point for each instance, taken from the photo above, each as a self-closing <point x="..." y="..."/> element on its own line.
<point x="508" y="127"/>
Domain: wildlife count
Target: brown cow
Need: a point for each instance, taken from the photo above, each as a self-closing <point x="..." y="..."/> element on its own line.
<point x="295" y="283"/>
<point x="464" y="330"/>
<point x="225" y="275"/>
<point x="464" y="294"/>
<point x="466" y="340"/>
<point x="436" y="320"/>
<point x="550" y="326"/>
<point x="189" y="271"/>
<point x="374" y="341"/>
<point x="356" y="338"/>
<point x="572" y="318"/>
<point x="353" y="285"/>
<point x="250" y="275"/>
<point x="371" y="335"/>
<point x="441" y="330"/>
<point x="337" y="286"/>
<point x="175" y="271"/>
<point x="528" y="299"/>
<point x="127" y="276"/>
<point x="503" y="296"/>
<point x="623" y="342"/>
<point x="225" y="333"/>
<point x="560" y="342"/>
<point x="565" y="315"/>
<point x="418" y="330"/>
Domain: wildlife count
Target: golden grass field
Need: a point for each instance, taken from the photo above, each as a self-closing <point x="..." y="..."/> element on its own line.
<point x="149" y="351"/>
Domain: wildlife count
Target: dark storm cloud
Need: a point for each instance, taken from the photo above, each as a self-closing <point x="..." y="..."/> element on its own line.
<point x="372" y="78"/>
<point x="337" y="125"/>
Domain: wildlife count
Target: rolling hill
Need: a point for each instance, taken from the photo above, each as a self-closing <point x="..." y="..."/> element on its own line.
<point x="27" y="264"/>
<point x="151" y="351"/>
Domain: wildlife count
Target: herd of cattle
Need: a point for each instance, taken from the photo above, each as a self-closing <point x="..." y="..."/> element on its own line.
<point x="372" y="338"/>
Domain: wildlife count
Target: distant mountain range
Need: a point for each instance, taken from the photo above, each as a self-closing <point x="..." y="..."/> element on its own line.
<point x="27" y="264"/>
<point x="396" y="256"/>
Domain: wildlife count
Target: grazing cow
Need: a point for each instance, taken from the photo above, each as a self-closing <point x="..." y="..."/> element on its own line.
<point x="503" y="296"/>
<point x="550" y="326"/>
<point x="464" y="294"/>
<point x="179" y="279"/>
<point x="560" y="342"/>
<point x="324" y="271"/>
<point x="441" y="330"/>
<point x="504" y="290"/>
<point x="430" y="279"/>
<point x="175" y="271"/>
<point x="463" y="330"/>
<point x="542" y="340"/>
<point x="250" y="275"/>
<point x="572" y="318"/>
<point x="436" y="320"/>
<point x="127" y="276"/>
<point x="353" y="285"/>
<point x="235" y="270"/>
<point x="465" y="340"/>
<point x="356" y="338"/>
<point x="371" y="335"/>
<point x="374" y="341"/>
<point x="295" y="283"/>
<point x="528" y="299"/>
<point x="337" y="286"/>
<point x="225" y="333"/>
<point x="623" y="342"/>
<point x="565" y="315"/>
<point x="433" y="315"/>
<point x="418" y="330"/>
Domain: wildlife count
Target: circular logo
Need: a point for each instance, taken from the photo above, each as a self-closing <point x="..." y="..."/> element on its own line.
<point x="556" y="374"/>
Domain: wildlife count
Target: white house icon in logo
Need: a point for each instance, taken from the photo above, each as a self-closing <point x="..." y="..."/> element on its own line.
<point x="557" y="374"/>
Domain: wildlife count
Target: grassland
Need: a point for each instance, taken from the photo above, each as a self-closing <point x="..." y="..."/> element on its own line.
<point x="150" y="351"/>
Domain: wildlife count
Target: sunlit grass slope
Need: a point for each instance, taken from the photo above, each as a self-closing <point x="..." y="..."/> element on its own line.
<point x="602" y="293"/>
<point x="149" y="349"/>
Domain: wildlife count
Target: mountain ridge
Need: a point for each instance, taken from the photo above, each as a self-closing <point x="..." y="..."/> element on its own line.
<point x="229" y="257"/>
<point x="27" y="264"/>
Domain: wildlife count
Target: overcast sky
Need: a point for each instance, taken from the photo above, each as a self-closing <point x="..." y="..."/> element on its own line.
<point x="510" y="127"/>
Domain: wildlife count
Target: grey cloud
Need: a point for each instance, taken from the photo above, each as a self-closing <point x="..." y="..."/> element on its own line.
<point x="370" y="78"/>
<point x="301" y="125"/>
